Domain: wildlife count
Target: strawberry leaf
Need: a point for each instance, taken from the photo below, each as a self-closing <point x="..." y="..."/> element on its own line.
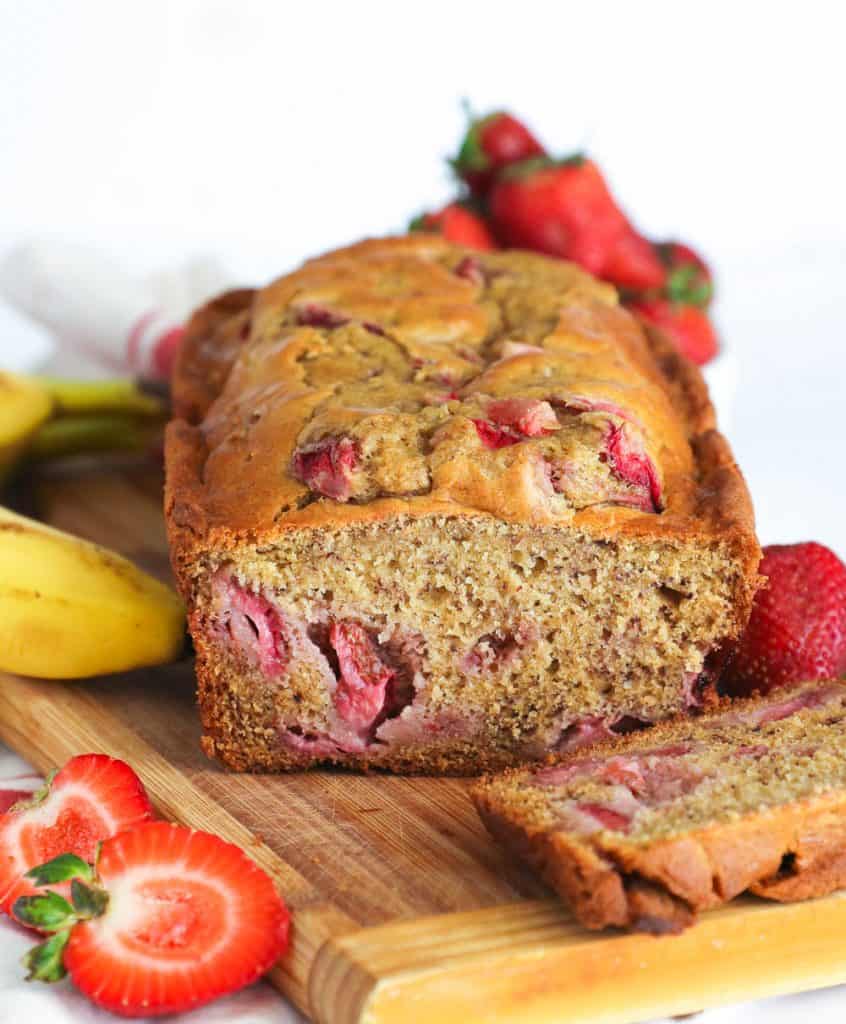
<point x="44" y="962"/>
<point x="686" y="285"/>
<point x="87" y="900"/>
<point x="60" y="869"/>
<point x="47" y="911"/>
<point x="534" y="164"/>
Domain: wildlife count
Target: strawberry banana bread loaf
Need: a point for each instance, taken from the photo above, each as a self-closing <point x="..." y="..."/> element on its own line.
<point x="647" y="830"/>
<point x="435" y="511"/>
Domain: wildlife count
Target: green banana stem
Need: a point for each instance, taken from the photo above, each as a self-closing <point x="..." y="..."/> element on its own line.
<point x="121" y="395"/>
<point x="76" y="435"/>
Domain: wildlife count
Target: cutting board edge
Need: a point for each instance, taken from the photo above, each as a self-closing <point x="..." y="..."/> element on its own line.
<point x="458" y="968"/>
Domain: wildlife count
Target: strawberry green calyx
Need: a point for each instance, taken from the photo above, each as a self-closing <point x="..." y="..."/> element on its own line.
<point x="52" y="913"/>
<point x="60" y="869"/>
<point x="471" y="154"/>
<point x="46" y="961"/>
<point x="526" y="168"/>
<point x="686" y="285"/>
<point x="48" y="912"/>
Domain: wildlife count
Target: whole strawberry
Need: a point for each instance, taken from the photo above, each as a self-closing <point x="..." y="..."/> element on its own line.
<point x="457" y="224"/>
<point x="797" y="630"/>
<point x="688" y="327"/>
<point x="491" y="143"/>
<point x="564" y="208"/>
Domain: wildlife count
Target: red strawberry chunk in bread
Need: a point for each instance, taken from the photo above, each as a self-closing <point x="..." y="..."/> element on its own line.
<point x="613" y="820"/>
<point x="362" y="687"/>
<point x="471" y="270"/>
<point x="630" y="463"/>
<point x="635" y="782"/>
<point x="528" y="416"/>
<point x="495" y="437"/>
<point x="515" y="419"/>
<point x="313" y="315"/>
<point x="327" y="466"/>
<point x="257" y="627"/>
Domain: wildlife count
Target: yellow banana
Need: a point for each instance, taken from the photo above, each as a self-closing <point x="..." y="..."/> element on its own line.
<point x="100" y="432"/>
<point x="116" y="395"/>
<point x="24" y="406"/>
<point x="70" y="609"/>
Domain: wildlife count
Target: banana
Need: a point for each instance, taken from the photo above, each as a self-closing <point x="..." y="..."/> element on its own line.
<point x="24" y="406"/>
<point x="117" y="395"/>
<point x="70" y="609"/>
<point x="100" y="432"/>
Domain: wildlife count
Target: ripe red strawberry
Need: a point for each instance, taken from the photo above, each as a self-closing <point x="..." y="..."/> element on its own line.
<point x="689" y="278"/>
<point x="491" y="143"/>
<point x="688" y="327"/>
<point x="91" y="798"/>
<point x="171" y="920"/>
<point x="797" y="630"/>
<point x="457" y="224"/>
<point x="564" y="208"/>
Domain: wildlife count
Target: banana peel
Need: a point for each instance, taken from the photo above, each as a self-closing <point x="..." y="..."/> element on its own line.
<point x="48" y="417"/>
<point x="71" y="609"/>
<point x="24" y="407"/>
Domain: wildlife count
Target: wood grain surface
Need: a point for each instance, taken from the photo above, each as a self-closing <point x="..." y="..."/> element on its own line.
<point x="403" y="908"/>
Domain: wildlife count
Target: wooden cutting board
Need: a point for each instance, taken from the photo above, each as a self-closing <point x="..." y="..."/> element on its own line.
<point x="403" y="909"/>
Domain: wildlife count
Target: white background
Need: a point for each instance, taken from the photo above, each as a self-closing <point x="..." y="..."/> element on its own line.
<point x="263" y="132"/>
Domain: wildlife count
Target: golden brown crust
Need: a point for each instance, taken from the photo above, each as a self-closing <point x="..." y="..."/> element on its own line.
<point x="705" y="494"/>
<point x="788" y="852"/>
<point x="229" y="481"/>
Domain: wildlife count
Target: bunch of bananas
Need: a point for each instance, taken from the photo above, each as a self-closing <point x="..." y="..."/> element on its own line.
<point x="68" y="608"/>
<point x="46" y="417"/>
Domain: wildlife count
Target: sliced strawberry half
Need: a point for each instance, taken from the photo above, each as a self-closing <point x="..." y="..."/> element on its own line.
<point x="91" y="798"/>
<point x="170" y="920"/>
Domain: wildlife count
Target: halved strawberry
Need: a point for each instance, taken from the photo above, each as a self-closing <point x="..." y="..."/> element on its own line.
<point x="91" y="798"/>
<point x="169" y="920"/>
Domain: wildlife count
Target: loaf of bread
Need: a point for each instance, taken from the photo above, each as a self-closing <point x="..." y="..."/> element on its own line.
<point x="644" y="831"/>
<point x="443" y="512"/>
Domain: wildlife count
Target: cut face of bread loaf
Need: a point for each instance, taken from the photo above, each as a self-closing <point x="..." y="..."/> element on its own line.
<point x="436" y="511"/>
<point x="643" y="832"/>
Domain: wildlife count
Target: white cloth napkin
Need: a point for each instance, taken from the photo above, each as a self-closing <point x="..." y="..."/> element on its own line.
<point x="103" y="319"/>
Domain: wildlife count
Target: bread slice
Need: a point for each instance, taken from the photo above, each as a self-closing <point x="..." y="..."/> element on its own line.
<point x="440" y="511"/>
<point x="643" y="832"/>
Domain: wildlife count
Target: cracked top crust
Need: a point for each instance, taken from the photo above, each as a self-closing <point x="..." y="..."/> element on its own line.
<point x="408" y="376"/>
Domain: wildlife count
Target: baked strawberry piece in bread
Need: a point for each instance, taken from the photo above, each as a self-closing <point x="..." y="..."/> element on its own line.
<point x="441" y="510"/>
<point x="644" y="832"/>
